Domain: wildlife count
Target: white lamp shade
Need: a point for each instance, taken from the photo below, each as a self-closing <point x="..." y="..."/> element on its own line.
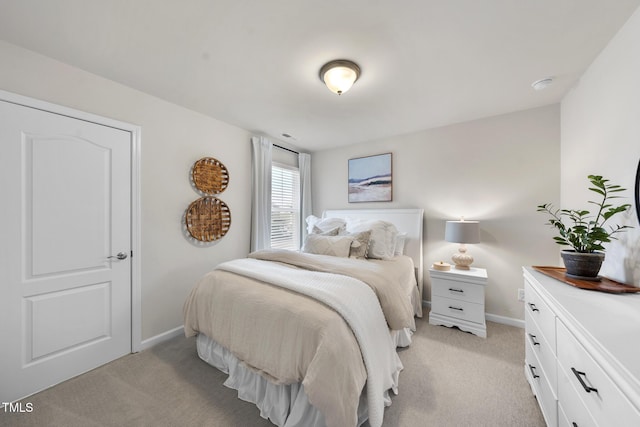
<point x="462" y="232"/>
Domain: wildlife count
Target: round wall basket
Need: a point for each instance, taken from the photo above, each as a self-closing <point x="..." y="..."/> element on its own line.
<point x="208" y="219"/>
<point x="210" y="176"/>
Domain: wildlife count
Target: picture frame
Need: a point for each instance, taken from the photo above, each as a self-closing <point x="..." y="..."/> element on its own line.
<point x="370" y="179"/>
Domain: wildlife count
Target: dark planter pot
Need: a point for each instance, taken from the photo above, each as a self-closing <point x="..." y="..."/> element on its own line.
<point x="583" y="266"/>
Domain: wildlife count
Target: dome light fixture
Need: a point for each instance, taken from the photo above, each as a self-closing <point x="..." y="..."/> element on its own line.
<point x="339" y="75"/>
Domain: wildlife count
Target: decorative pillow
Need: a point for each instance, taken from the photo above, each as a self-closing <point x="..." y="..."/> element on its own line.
<point x="323" y="224"/>
<point x="332" y="232"/>
<point x="382" y="240"/>
<point x="328" y="245"/>
<point x="360" y="245"/>
<point x="311" y="221"/>
<point x="401" y="239"/>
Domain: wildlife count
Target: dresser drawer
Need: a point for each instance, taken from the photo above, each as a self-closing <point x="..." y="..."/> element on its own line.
<point x="571" y="410"/>
<point x="541" y="387"/>
<point x="594" y="388"/>
<point x="458" y="309"/>
<point x="541" y="313"/>
<point x="458" y="290"/>
<point x="563" y="421"/>
<point x="543" y="350"/>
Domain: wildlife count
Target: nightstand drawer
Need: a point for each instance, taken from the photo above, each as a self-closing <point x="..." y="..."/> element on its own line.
<point x="602" y="398"/>
<point x="458" y="309"/>
<point x="458" y="290"/>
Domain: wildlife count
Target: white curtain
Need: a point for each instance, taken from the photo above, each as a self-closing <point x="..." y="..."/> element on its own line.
<point x="261" y="149"/>
<point x="304" y="167"/>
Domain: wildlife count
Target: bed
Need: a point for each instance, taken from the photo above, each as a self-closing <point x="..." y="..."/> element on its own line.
<point x="310" y="337"/>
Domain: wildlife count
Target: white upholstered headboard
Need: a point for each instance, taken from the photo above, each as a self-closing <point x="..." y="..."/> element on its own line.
<point x="406" y="220"/>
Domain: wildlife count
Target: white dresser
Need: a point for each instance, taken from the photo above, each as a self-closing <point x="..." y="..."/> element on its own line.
<point x="582" y="353"/>
<point x="457" y="299"/>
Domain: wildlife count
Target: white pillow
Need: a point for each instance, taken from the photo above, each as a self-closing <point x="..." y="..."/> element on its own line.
<point x="401" y="239"/>
<point x="328" y="245"/>
<point x="311" y="221"/>
<point x="323" y="224"/>
<point x="383" y="236"/>
<point x="331" y="232"/>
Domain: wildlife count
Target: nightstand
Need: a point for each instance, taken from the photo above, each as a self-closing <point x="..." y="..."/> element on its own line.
<point x="457" y="299"/>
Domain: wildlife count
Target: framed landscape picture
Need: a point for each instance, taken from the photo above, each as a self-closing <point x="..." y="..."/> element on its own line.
<point x="370" y="179"/>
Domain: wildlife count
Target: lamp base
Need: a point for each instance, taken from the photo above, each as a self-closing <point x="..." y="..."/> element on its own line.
<point x="462" y="259"/>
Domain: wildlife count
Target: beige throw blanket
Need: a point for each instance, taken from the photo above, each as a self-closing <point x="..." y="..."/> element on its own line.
<point x="386" y="278"/>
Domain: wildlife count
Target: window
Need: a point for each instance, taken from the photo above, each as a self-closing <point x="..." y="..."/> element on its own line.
<point x="285" y="207"/>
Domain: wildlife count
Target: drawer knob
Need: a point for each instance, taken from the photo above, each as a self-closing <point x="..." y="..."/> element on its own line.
<point x="460" y="291"/>
<point x="533" y="339"/>
<point x="456" y="308"/>
<point x="533" y="371"/>
<point x="533" y="307"/>
<point x="584" y="385"/>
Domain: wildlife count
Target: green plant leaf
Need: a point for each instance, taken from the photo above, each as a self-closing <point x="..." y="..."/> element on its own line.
<point x="588" y="231"/>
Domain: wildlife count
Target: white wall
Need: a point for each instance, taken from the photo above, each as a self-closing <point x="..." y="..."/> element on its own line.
<point x="495" y="170"/>
<point x="601" y="136"/>
<point x="173" y="138"/>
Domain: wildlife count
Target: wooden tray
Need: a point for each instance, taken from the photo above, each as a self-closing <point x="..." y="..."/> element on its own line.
<point x="604" y="285"/>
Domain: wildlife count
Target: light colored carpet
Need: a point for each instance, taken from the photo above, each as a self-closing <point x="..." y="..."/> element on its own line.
<point x="451" y="378"/>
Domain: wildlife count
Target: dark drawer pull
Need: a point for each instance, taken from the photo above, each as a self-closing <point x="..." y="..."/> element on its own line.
<point x="533" y="339"/>
<point x="456" y="308"/>
<point x="533" y="371"/>
<point x="574" y="424"/>
<point x="584" y="385"/>
<point x="456" y="290"/>
<point x="533" y="307"/>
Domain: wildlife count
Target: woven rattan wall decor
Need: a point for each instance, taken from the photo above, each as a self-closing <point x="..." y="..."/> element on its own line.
<point x="208" y="219"/>
<point x="210" y="176"/>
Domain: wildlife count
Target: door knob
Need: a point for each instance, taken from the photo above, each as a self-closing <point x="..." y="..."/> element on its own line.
<point x="119" y="255"/>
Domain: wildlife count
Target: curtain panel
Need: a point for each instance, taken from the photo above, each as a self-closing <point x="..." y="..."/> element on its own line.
<point x="304" y="167"/>
<point x="261" y="154"/>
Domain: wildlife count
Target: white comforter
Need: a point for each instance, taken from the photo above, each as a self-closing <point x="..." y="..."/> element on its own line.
<point x="356" y="303"/>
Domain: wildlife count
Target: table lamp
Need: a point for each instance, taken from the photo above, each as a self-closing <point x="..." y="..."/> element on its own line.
<point x="462" y="232"/>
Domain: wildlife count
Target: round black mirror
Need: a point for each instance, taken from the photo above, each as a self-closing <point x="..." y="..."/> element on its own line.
<point x="638" y="192"/>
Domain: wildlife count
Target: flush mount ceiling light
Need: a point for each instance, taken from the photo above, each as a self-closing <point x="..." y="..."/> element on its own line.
<point x="542" y="83"/>
<point x="339" y="75"/>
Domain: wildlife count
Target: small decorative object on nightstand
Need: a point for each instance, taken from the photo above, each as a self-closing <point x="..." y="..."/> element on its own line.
<point x="457" y="299"/>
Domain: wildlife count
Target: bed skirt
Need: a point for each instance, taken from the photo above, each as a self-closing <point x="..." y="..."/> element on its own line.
<point x="285" y="405"/>
<point x="402" y="337"/>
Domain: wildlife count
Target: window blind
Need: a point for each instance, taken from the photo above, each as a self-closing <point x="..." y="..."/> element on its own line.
<point x="285" y="207"/>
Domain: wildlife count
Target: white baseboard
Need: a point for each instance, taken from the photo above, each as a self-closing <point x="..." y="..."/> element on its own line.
<point x="518" y="323"/>
<point x="158" y="339"/>
<point x="150" y="342"/>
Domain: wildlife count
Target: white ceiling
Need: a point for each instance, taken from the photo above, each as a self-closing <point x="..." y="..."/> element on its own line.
<point x="255" y="63"/>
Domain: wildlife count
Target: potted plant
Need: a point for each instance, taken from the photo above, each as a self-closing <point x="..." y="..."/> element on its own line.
<point x="586" y="233"/>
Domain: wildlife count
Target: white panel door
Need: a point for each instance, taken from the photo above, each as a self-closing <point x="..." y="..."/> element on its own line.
<point x="65" y="301"/>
